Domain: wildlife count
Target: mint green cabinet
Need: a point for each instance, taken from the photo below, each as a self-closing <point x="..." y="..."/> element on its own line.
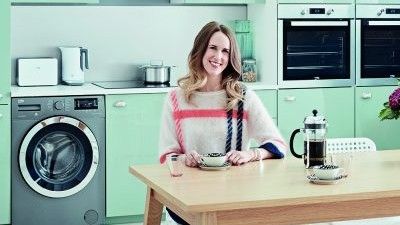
<point x="377" y="1"/>
<point x="369" y="102"/>
<point x="318" y="1"/>
<point x="5" y="126"/>
<point x="56" y="1"/>
<point x="5" y="61"/>
<point x="132" y="134"/>
<point x="336" y="104"/>
<point x="269" y="99"/>
<point x="216" y="1"/>
<point x="5" y="164"/>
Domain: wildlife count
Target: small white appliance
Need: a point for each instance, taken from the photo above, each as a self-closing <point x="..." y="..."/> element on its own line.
<point x="73" y="59"/>
<point x="37" y="71"/>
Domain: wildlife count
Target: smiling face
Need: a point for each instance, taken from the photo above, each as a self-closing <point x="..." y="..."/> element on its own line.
<point x="216" y="57"/>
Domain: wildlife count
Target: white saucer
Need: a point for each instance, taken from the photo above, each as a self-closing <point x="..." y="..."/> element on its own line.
<point x="225" y="166"/>
<point x="316" y="180"/>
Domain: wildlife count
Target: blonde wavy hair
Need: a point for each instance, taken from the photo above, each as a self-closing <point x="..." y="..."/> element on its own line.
<point x="196" y="77"/>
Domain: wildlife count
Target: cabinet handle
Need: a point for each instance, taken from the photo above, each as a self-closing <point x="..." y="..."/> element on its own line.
<point x="290" y="98"/>
<point x="120" y="104"/>
<point x="366" y="95"/>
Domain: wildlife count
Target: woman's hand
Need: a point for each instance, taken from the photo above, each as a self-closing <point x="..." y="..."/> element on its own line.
<point x="239" y="157"/>
<point x="192" y="159"/>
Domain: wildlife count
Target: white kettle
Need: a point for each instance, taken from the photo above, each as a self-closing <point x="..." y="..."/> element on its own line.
<point x="72" y="64"/>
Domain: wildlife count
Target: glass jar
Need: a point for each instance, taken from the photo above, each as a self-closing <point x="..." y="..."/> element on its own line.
<point x="249" y="70"/>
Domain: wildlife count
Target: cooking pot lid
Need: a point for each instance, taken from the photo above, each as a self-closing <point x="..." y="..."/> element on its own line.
<point x="154" y="66"/>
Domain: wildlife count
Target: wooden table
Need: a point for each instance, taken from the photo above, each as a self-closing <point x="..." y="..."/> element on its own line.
<point x="274" y="192"/>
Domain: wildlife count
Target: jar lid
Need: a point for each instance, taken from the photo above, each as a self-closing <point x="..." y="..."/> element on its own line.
<point x="249" y="61"/>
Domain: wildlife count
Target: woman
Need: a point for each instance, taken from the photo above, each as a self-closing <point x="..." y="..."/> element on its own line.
<point x="211" y="111"/>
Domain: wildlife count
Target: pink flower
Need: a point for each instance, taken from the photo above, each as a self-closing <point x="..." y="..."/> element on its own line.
<point x="394" y="100"/>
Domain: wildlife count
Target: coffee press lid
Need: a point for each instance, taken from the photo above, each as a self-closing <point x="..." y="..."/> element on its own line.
<point x="314" y="121"/>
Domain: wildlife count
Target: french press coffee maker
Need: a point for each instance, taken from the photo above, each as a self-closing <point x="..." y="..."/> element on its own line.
<point x="314" y="134"/>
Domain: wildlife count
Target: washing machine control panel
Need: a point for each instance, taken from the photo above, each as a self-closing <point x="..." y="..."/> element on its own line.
<point x="58" y="105"/>
<point x="42" y="107"/>
<point x="86" y="103"/>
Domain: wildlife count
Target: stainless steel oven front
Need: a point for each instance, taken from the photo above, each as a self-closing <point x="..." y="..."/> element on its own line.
<point x="377" y="44"/>
<point x="316" y="45"/>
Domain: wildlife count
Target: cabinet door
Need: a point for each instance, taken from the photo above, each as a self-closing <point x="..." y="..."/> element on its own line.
<point x="335" y="104"/>
<point x="269" y="99"/>
<point x="133" y="123"/>
<point x="5" y="62"/>
<point x="5" y="164"/>
<point x="216" y="1"/>
<point x="318" y="1"/>
<point x="56" y="1"/>
<point x="369" y="102"/>
<point x="377" y="1"/>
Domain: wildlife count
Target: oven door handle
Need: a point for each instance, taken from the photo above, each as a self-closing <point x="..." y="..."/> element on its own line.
<point x="384" y="23"/>
<point x="319" y="23"/>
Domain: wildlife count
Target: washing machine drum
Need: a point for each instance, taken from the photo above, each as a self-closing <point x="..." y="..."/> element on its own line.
<point x="58" y="156"/>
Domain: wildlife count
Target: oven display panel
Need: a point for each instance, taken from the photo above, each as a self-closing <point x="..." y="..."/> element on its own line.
<point x="392" y="11"/>
<point x="317" y="10"/>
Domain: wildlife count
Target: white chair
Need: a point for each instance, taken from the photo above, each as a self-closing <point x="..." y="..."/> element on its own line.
<point x="346" y="145"/>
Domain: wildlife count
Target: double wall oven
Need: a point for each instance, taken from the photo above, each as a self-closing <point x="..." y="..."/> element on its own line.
<point x="316" y="45"/>
<point x="378" y="44"/>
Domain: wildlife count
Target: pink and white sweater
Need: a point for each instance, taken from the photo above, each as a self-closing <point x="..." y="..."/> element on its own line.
<point x="203" y="125"/>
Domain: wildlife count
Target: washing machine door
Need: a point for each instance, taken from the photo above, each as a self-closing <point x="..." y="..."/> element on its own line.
<point x="58" y="156"/>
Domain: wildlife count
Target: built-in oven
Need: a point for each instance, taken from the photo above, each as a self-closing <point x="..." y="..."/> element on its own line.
<point x="377" y="44"/>
<point x="316" y="45"/>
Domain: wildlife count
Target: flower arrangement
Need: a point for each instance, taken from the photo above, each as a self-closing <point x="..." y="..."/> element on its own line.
<point x="391" y="108"/>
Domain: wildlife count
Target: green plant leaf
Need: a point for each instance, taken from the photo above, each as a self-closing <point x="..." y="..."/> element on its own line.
<point x="386" y="114"/>
<point x="386" y="104"/>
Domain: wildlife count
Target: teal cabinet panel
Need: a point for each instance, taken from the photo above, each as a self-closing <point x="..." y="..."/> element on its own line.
<point x="377" y="1"/>
<point x="335" y="104"/>
<point x="369" y="102"/>
<point x="5" y="61"/>
<point x="133" y="123"/>
<point x="318" y="1"/>
<point x="216" y="1"/>
<point x="5" y="164"/>
<point x="55" y="1"/>
<point x="269" y="99"/>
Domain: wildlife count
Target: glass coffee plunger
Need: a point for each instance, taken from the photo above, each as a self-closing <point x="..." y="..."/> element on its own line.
<point x="314" y="134"/>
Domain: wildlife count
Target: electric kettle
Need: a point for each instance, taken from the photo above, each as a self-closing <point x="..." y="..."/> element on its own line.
<point x="72" y="64"/>
<point x="314" y="134"/>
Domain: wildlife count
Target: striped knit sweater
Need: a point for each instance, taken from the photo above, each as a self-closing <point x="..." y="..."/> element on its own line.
<point x="205" y="126"/>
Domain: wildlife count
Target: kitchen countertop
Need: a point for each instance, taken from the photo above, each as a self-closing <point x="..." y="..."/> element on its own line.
<point x="91" y="89"/>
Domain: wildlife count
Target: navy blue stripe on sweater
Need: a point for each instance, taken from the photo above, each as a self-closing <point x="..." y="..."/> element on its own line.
<point x="239" y="127"/>
<point x="273" y="149"/>
<point x="228" y="143"/>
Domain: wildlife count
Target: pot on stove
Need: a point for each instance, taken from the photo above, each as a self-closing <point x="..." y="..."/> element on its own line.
<point x="156" y="73"/>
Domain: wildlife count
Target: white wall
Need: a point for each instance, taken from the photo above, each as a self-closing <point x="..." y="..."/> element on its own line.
<point x="119" y="38"/>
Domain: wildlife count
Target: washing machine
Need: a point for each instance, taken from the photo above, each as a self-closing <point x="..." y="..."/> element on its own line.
<point x="58" y="160"/>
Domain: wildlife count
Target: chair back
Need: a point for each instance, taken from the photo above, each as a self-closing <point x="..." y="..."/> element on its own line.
<point x="345" y="145"/>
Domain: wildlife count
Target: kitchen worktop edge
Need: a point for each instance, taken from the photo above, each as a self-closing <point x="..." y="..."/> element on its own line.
<point x="91" y="89"/>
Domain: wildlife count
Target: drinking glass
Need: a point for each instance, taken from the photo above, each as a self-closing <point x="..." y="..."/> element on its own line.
<point x="175" y="166"/>
<point x="342" y="160"/>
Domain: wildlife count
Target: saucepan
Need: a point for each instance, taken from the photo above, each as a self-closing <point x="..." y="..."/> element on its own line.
<point x="156" y="72"/>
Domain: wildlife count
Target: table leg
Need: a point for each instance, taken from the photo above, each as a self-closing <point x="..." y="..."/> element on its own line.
<point x="153" y="211"/>
<point x="207" y="218"/>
